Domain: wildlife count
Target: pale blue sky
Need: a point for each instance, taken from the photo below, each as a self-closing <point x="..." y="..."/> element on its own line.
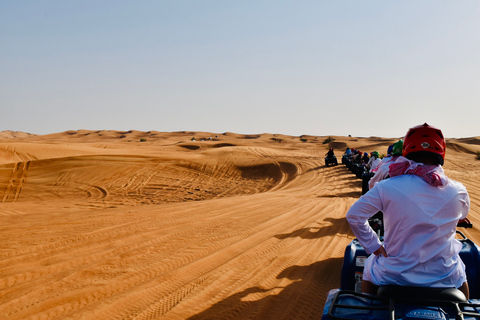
<point x="336" y="67"/>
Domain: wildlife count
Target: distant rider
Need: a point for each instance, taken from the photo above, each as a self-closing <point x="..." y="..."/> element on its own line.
<point x="365" y="158"/>
<point x="357" y="157"/>
<point x="374" y="161"/>
<point x="330" y="154"/>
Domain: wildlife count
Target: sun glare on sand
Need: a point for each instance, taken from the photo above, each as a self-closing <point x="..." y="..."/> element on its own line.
<point x="181" y="225"/>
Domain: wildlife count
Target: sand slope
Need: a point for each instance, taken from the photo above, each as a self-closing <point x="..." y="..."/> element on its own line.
<point x="151" y="225"/>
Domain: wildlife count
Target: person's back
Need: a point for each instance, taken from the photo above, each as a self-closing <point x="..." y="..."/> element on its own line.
<point x="365" y="158"/>
<point x="374" y="161"/>
<point x="357" y="158"/>
<point x="330" y="153"/>
<point x="420" y="222"/>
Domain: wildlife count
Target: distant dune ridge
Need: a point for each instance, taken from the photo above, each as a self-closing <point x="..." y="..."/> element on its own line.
<point x="112" y="224"/>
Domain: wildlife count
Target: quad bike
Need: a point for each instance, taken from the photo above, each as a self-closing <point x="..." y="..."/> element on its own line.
<point x="365" y="179"/>
<point x="358" y="170"/>
<point x="399" y="302"/>
<point x="332" y="160"/>
<point x="349" y="163"/>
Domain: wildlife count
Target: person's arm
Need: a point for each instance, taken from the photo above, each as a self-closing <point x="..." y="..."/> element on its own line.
<point x="466" y="204"/>
<point x="465" y="201"/>
<point x="357" y="216"/>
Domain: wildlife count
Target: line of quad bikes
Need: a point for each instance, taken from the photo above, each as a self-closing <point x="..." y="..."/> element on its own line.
<point x="398" y="302"/>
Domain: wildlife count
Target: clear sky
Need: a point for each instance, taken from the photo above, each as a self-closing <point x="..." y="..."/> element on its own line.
<point x="318" y="67"/>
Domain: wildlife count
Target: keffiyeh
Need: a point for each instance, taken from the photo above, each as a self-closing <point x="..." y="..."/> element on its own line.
<point x="433" y="174"/>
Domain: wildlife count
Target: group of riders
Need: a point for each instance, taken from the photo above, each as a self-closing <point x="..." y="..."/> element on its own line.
<point x="373" y="162"/>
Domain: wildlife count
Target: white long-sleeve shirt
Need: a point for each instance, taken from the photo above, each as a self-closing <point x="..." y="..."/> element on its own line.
<point x="373" y="163"/>
<point x="420" y="222"/>
<point x="381" y="171"/>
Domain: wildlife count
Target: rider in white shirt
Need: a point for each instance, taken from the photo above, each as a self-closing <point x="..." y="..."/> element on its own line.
<point x="374" y="161"/>
<point x="421" y="208"/>
<point x="381" y="171"/>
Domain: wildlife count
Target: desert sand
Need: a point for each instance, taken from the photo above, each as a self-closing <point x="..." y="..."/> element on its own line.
<point x="152" y="225"/>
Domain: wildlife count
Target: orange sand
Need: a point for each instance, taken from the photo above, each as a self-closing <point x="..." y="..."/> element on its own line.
<point x="102" y="225"/>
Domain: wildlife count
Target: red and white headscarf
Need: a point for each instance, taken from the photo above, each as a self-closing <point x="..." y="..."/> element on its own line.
<point x="433" y="174"/>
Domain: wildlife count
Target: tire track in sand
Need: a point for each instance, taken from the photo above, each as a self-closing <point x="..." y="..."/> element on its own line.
<point x="16" y="181"/>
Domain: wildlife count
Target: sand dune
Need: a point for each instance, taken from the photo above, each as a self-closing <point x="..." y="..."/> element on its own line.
<point x="181" y="225"/>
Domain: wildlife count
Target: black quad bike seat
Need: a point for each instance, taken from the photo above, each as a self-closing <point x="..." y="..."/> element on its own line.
<point x="409" y="293"/>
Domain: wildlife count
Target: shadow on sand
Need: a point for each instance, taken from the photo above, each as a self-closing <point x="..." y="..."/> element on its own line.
<point x="329" y="227"/>
<point x="304" y="298"/>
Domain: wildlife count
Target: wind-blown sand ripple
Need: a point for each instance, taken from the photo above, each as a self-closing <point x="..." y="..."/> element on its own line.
<point x="151" y="225"/>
